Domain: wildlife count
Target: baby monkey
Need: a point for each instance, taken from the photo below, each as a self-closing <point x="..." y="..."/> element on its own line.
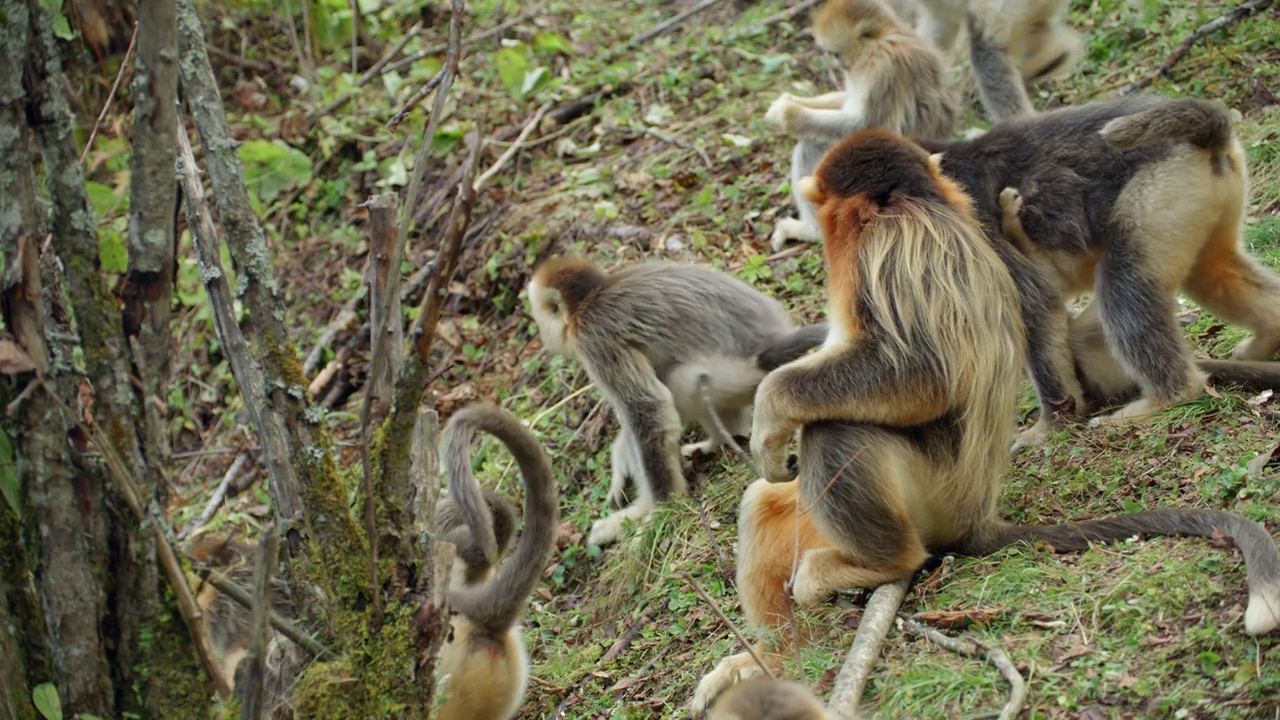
<point x="892" y="80"/>
<point x="905" y="411"/>
<point x="647" y="334"/>
<point x="768" y="699"/>
<point x="484" y="664"/>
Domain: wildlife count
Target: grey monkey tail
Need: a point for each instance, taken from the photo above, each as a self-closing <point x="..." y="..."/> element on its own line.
<point x="1257" y="374"/>
<point x="791" y="346"/>
<point x="1261" y="557"/>
<point x="1199" y="122"/>
<point x="497" y="603"/>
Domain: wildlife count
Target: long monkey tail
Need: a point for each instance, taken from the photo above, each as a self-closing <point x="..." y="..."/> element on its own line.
<point x="791" y="346"/>
<point x="1199" y="122"/>
<point x="1252" y="373"/>
<point x="497" y="603"/>
<point x="1261" y="557"/>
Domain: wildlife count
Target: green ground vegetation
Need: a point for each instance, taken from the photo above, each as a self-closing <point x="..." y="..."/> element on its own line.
<point x="677" y="163"/>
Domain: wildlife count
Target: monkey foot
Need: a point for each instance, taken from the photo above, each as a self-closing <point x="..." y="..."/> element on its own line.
<point x="792" y="229"/>
<point x="609" y="529"/>
<point x="699" y="448"/>
<point x="728" y="672"/>
<point x="1011" y="200"/>
<point x="1033" y="436"/>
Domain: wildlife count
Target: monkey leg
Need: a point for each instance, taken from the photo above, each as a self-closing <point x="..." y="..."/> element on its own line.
<point x="625" y="465"/>
<point x="1138" y="321"/>
<point x="1048" y="348"/>
<point x="855" y="481"/>
<point x="999" y="82"/>
<point x="936" y="27"/>
<point x="1241" y="291"/>
<point x="804" y="159"/>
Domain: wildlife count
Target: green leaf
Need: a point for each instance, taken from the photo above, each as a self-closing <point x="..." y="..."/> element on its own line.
<point x="9" y="475"/>
<point x="112" y="252"/>
<point x="273" y="168"/>
<point x="106" y="198"/>
<point x="1209" y="661"/>
<point x="552" y="42"/>
<point x="534" y="79"/>
<point x="45" y="697"/>
<point x="512" y="67"/>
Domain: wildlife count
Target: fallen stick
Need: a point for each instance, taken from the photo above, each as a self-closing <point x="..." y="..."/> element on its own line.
<point x="1229" y="18"/>
<point x="219" y="495"/>
<point x="970" y="646"/>
<point x="658" y="30"/>
<point x="877" y="618"/>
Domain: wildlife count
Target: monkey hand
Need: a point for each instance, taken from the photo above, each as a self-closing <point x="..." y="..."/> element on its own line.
<point x="772" y="463"/>
<point x="728" y="672"/>
<point x="781" y="112"/>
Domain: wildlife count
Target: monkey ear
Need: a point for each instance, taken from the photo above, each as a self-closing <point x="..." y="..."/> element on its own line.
<point x="935" y="163"/>
<point x="810" y="190"/>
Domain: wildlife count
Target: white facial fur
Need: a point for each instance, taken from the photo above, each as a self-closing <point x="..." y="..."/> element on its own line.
<point x="549" y="314"/>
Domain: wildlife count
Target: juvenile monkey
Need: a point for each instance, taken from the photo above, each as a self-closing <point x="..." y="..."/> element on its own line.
<point x="1031" y="32"/>
<point x="892" y="80"/>
<point x="768" y="699"/>
<point x="484" y="659"/>
<point x="227" y="622"/>
<point x="903" y="413"/>
<point x="1134" y="199"/>
<point x="646" y="334"/>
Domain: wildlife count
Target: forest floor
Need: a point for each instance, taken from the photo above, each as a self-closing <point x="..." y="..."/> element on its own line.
<point x="675" y="162"/>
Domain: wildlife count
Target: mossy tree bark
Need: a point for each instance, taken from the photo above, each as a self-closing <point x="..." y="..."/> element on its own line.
<point x="85" y="606"/>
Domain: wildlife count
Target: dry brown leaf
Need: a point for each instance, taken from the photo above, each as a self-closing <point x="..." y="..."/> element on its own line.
<point x="13" y="359"/>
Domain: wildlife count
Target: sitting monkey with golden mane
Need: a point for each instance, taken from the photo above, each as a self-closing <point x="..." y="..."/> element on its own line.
<point x="904" y="412"/>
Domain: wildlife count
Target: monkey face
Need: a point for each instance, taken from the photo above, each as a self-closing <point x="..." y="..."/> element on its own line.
<point x="550" y="314"/>
<point x="849" y="29"/>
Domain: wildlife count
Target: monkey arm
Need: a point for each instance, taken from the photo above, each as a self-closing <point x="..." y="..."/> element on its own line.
<point x="853" y="384"/>
<point x="826" y="101"/>
<point x="816" y="124"/>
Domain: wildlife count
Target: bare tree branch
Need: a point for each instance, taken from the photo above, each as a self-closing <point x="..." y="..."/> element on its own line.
<point x="264" y="573"/>
<point x="1231" y="17"/>
<point x="229" y="588"/>
<point x="268" y="425"/>
<point x="877" y="618"/>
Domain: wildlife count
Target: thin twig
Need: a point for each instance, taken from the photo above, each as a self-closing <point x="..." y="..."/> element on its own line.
<point x="653" y="132"/>
<point x="702" y="595"/>
<point x="219" y="495"/>
<point x="658" y="30"/>
<point x="780" y="16"/>
<point x="970" y="646"/>
<point x="256" y="662"/>
<point x="515" y="146"/>
<point x="437" y="49"/>
<point x="229" y="588"/>
<point x="877" y="618"/>
<point x="1229" y="18"/>
<point x="128" y="53"/>
<point x="369" y="74"/>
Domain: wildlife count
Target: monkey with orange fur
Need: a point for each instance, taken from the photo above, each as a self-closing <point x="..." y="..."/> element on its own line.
<point x="905" y="411"/>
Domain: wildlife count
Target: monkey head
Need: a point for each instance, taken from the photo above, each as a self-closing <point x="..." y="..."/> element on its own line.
<point x="559" y="289"/>
<point x="850" y="29"/>
<point x="764" y="698"/>
<point x="874" y="172"/>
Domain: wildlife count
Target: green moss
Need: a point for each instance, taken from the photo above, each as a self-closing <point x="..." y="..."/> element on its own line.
<point x="174" y="676"/>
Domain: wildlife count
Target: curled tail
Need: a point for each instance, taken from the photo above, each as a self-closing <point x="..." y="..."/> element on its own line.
<point x="1199" y="122"/>
<point x="1261" y="557"/>
<point x="791" y="346"/>
<point x="496" y="603"/>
